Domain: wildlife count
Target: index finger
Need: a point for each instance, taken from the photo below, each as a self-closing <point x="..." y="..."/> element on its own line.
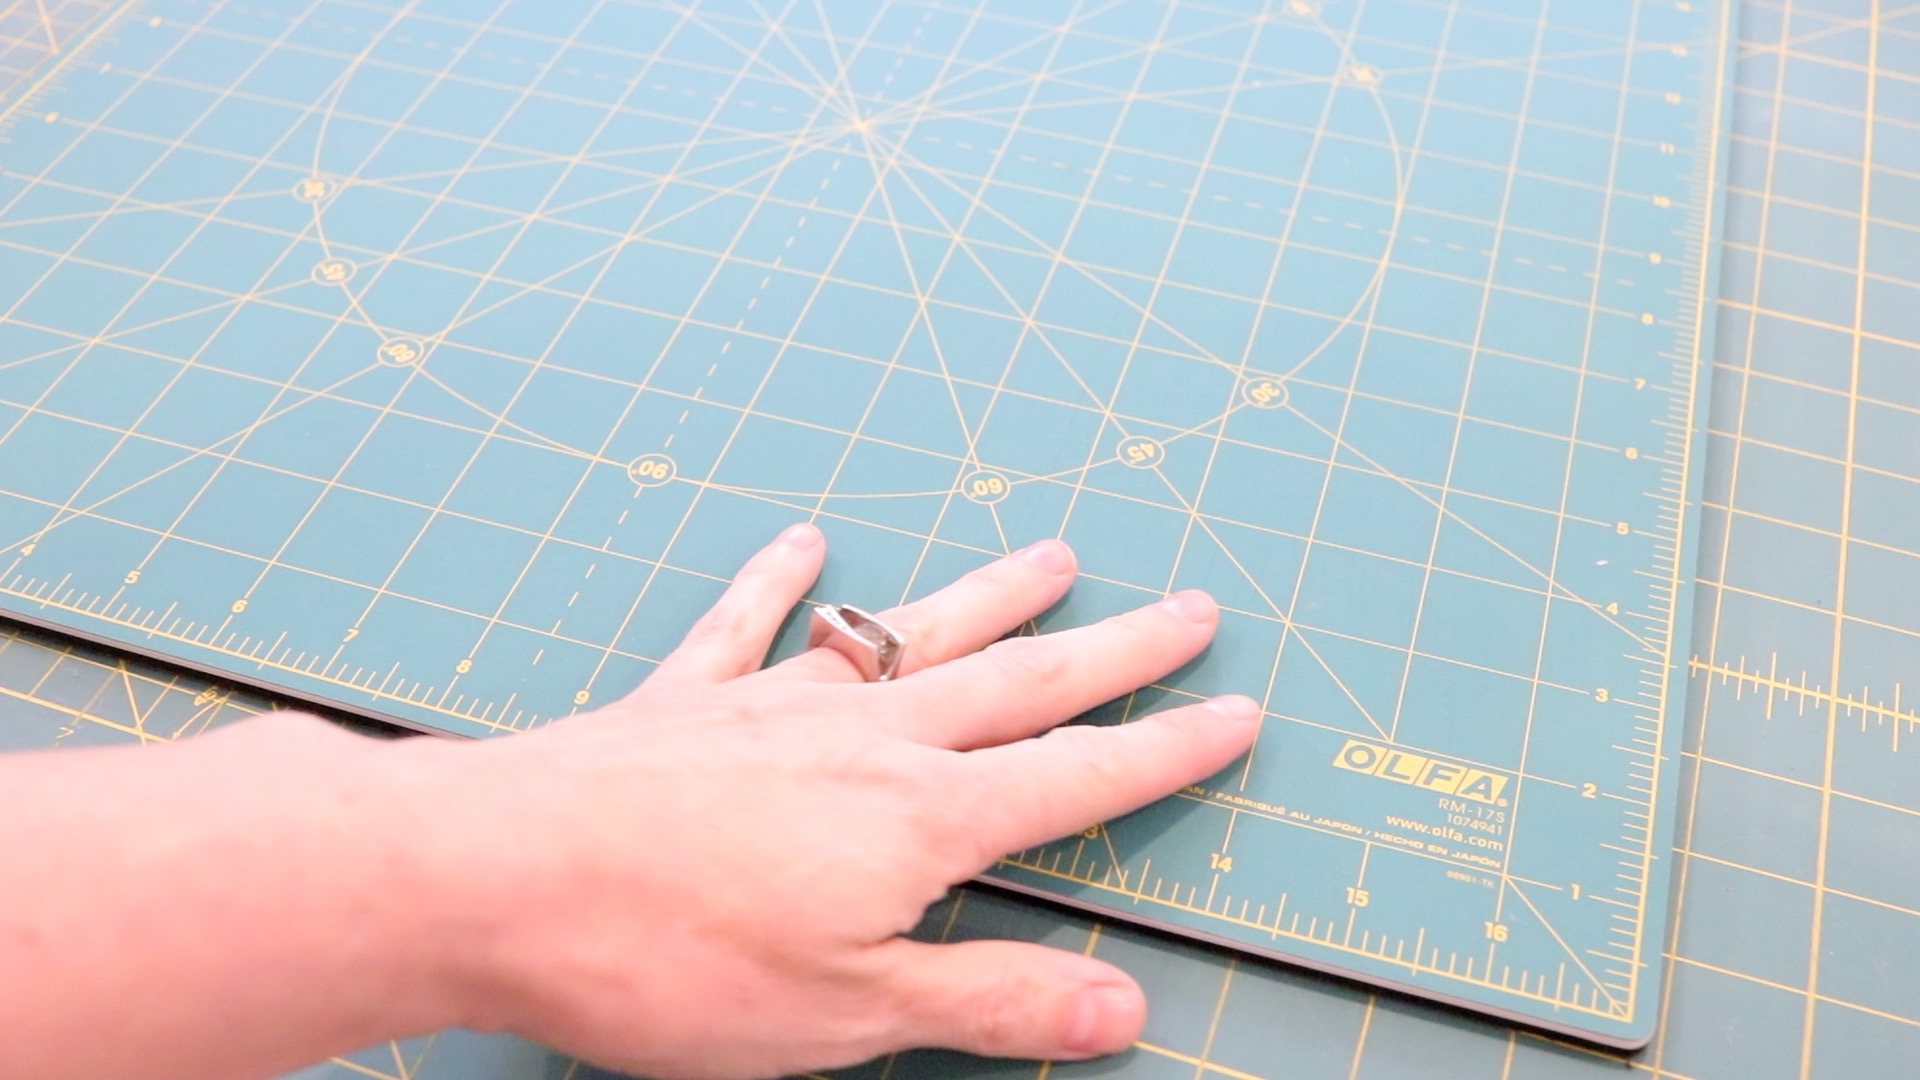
<point x="1078" y="776"/>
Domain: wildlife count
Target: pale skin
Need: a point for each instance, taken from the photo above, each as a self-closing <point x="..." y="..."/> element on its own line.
<point x="709" y="878"/>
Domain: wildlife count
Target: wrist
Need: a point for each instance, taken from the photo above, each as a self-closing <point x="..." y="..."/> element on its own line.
<point x="509" y="861"/>
<point x="443" y="894"/>
<point x="372" y="879"/>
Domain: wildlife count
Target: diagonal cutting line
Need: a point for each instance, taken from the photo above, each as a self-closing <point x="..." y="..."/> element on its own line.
<point x="1045" y="250"/>
<point x="1113" y="852"/>
<point x="114" y="336"/>
<point x="553" y="214"/>
<point x="955" y="243"/>
<point x="881" y="169"/>
<point x="752" y="57"/>
<point x="74" y="513"/>
<point x="125" y="675"/>
<point x="777" y="31"/>
<point x="1871" y="24"/>
<point x="1553" y="587"/>
<point x="151" y="278"/>
<point x="1599" y="987"/>
<point x="1286" y="618"/>
<point x="46" y="26"/>
<point x="1136" y="51"/>
<point x="923" y="315"/>
<point x="720" y="455"/>
<point x="1040" y="330"/>
<point x="920" y="103"/>
<point x="354" y="1066"/>
<point x="842" y="76"/>
<point x="821" y="141"/>
<point x="457" y="482"/>
<point x="387" y="258"/>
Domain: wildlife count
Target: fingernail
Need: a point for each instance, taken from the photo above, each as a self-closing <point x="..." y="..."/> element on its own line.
<point x="1193" y="605"/>
<point x="1236" y="707"/>
<point x="1103" y="1020"/>
<point x="1051" y="556"/>
<point x="801" y="536"/>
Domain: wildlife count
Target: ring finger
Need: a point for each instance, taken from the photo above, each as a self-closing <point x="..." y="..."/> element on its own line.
<point x="966" y="616"/>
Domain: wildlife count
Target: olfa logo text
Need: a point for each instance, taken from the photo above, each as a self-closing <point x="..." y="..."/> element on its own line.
<point x="1436" y="775"/>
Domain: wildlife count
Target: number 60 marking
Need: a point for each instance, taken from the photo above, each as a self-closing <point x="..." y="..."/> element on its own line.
<point x="986" y="486"/>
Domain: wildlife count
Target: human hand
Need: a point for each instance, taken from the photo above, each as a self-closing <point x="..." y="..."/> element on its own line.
<point x="713" y="877"/>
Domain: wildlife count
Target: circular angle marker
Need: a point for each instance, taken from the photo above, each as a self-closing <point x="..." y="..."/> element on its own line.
<point x="314" y="189"/>
<point x="1140" y="452"/>
<point x="1264" y="393"/>
<point x="333" y="272"/>
<point x="985" y="486"/>
<point x="401" y="352"/>
<point x="652" y="470"/>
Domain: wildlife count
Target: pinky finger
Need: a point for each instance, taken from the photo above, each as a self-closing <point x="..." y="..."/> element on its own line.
<point x="1078" y="776"/>
<point x="733" y="637"/>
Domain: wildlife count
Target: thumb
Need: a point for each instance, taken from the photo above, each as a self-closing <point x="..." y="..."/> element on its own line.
<point x="1013" y="999"/>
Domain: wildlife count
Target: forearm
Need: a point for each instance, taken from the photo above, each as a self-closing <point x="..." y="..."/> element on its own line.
<point x="232" y="906"/>
<point x="707" y="879"/>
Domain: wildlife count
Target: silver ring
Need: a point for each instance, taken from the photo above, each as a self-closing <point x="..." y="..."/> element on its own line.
<point x="871" y="646"/>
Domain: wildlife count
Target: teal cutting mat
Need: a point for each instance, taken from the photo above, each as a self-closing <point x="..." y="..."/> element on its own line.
<point x="1743" y="1003"/>
<point x="440" y="365"/>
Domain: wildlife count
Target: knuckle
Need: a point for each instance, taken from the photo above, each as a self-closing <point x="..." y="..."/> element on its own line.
<point x="931" y="813"/>
<point x="1029" y="661"/>
<point x="746" y="716"/>
<point x="720" y="625"/>
<point x="1088" y="751"/>
<point x="1001" y="1017"/>
<point x="969" y="825"/>
<point x="1003" y="575"/>
<point x="868" y="764"/>
<point x="1079" y="740"/>
<point x="1142" y="631"/>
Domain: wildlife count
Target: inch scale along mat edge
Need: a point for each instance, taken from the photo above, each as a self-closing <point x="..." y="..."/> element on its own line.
<point x="1401" y="941"/>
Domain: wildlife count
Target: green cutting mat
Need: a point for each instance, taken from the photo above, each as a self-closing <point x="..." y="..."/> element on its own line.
<point x="442" y="365"/>
<point x="1801" y="832"/>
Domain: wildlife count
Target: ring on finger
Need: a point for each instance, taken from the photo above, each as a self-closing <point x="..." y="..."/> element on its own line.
<point x="871" y="646"/>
